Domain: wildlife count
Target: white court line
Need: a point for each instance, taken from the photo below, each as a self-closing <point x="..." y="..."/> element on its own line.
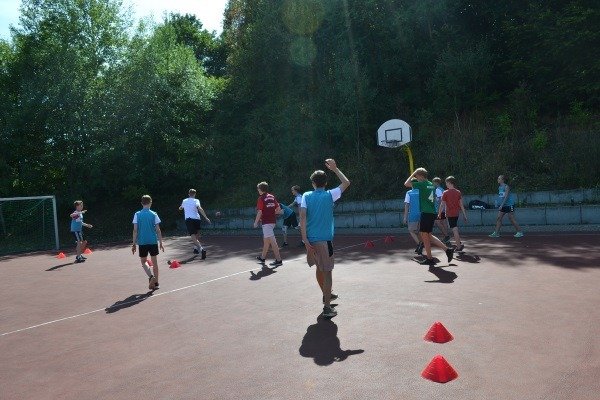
<point x="162" y="293"/>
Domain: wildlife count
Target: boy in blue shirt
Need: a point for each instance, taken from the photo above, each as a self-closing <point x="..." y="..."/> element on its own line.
<point x="316" y="226"/>
<point x="412" y="216"/>
<point x="147" y="235"/>
<point x="506" y="205"/>
<point x="77" y="225"/>
<point x="289" y="221"/>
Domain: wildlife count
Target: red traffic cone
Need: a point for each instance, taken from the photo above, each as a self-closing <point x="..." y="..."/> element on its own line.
<point x="438" y="334"/>
<point x="149" y="262"/>
<point x="61" y="255"/>
<point x="174" y="264"/>
<point x="388" y="239"/>
<point x="87" y="251"/>
<point x="369" y="244"/>
<point x="439" y="370"/>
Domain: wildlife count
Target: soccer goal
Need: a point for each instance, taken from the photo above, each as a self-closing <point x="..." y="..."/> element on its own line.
<point x="28" y="224"/>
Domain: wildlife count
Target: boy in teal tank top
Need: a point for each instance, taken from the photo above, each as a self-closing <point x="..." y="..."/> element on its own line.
<point x="147" y="235"/>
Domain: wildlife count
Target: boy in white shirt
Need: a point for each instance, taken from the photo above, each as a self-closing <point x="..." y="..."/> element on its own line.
<point x="192" y="210"/>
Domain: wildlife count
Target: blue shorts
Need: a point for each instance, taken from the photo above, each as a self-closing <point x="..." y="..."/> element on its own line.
<point x="78" y="236"/>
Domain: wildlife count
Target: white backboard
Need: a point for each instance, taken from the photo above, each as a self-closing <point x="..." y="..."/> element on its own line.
<point x="394" y="133"/>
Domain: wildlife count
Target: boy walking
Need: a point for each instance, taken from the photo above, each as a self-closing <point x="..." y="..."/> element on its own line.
<point x="440" y="222"/>
<point x="452" y="205"/>
<point x="77" y="225"/>
<point x="316" y="226"/>
<point x="412" y="215"/>
<point x="289" y="221"/>
<point x="192" y="210"/>
<point x="506" y="204"/>
<point x="418" y="180"/>
<point x="147" y="235"/>
<point x="267" y="209"/>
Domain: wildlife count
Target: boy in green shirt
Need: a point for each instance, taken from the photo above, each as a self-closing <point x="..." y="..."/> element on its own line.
<point x="418" y="180"/>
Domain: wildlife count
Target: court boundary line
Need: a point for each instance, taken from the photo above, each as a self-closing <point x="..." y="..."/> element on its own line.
<point x="162" y="293"/>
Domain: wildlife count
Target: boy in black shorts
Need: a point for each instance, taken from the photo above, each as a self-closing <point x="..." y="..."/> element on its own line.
<point x="418" y="180"/>
<point x="146" y="234"/>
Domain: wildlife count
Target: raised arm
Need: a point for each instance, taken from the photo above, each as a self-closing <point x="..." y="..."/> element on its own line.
<point x="408" y="182"/>
<point x="331" y="164"/>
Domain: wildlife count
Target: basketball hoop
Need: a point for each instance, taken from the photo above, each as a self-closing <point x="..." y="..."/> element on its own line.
<point x="396" y="133"/>
<point x="391" y="143"/>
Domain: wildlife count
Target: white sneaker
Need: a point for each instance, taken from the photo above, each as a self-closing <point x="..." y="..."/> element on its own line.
<point x="519" y="235"/>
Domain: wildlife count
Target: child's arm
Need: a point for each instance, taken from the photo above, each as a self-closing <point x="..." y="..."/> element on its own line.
<point x="258" y="217"/>
<point x="406" y="207"/>
<point x="408" y="182"/>
<point x="330" y="163"/>
<point x="88" y="225"/>
<point x="201" y="211"/>
<point x="462" y="207"/>
<point x="135" y="233"/>
<point x="441" y="209"/>
<point x="159" y="234"/>
<point x="303" y="230"/>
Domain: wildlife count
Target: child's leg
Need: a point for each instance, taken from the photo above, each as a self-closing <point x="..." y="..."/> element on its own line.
<point x="327" y="283"/>
<point x="265" y="250"/>
<point x="275" y="247"/>
<point x="456" y="236"/>
<point x="499" y="221"/>
<point x="512" y="219"/>
<point x="320" y="278"/>
<point x="437" y="243"/>
<point x="78" y="248"/>
<point x="145" y="266"/>
<point x="284" y="229"/>
<point x="414" y="236"/>
<point x="155" y="267"/>
<point x="195" y="241"/>
<point x="441" y="224"/>
<point x="427" y="243"/>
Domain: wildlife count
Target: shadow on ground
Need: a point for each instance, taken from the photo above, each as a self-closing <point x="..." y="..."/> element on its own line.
<point x="128" y="302"/>
<point x="442" y="275"/>
<point x="322" y="344"/>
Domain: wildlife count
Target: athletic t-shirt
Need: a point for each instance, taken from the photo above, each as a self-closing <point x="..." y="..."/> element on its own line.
<point x="319" y="213"/>
<point x="426" y="196"/>
<point x="453" y="198"/>
<point x="77" y="221"/>
<point x="414" y="211"/>
<point x="298" y="200"/>
<point x="286" y="211"/>
<point x="146" y="220"/>
<point x="190" y="208"/>
<point x="267" y="203"/>
<point x="502" y="188"/>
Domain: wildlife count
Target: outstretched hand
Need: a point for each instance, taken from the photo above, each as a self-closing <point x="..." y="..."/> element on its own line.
<point x="331" y="164"/>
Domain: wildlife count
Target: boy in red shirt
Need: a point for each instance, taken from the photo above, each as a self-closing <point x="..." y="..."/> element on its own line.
<point x="267" y="209"/>
<point x="452" y="204"/>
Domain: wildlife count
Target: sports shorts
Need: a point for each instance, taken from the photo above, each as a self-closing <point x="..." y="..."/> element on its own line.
<point x="452" y="222"/>
<point x="192" y="225"/>
<point x="78" y="236"/>
<point x="322" y="256"/>
<point x="413" y="226"/>
<point x="426" y="222"/>
<point x="442" y="216"/>
<point x="268" y="230"/>
<point x="507" y="209"/>
<point x="148" y="248"/>
<point x="291" y="221"/>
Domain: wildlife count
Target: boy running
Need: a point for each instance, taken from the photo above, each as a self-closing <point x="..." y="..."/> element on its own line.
<point x="316" y="226"/>
<point x="452" y="204"/>
<point x="412" y="215"/>
<point x="418" y="180"/>
<point x="192" y="210"/>
<point x="77" y="225"/>
<point x="267" y="209"/>
<point x="146" y="234"/>
<point x="440" y="222"/>
<point x="506" y="204"/>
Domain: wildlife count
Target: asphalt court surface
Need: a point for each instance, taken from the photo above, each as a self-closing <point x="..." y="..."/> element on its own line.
<point x="523" y="312"/>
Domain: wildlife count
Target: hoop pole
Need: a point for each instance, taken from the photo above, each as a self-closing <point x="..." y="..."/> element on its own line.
<point x="410" y="158"/>
<point x="55" y="223"/>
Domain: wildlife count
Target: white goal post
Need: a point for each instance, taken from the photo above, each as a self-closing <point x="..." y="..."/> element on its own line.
<point x="17" y="212"/>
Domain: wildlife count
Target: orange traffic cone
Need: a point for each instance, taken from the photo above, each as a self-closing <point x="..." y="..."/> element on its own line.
<point x="61" y="255"/>
<point x="369" y="244"/>
<point x="388" y="239"/>
<point x="438" y="334"/>
<point x="174" y="264"/>
<point x="439" y="370"/>
<point x="87" y="251"/>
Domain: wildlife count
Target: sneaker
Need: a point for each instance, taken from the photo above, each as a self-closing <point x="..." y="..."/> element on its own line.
<point x="85" y="258"/>
<point x="333" y="297"/>
<point x="196" y="251"/>
<point x="519" y="234"/>
<point x="460" y="248"/>
<point x="262" y="260"/>
<point x="420" y="248"/>
<point x="151" y="282"/>
<point x="427" y="261"/>
<point x="203" y="256"/>
<point x="494" y="234"/>
<point x="284" y="244"/>
<point x="329" y="312"/>
<point x="450" y="254"/>
<point x="276" y="263"/>
<point x="79" y="260"/>
<point x="156" y="286"/>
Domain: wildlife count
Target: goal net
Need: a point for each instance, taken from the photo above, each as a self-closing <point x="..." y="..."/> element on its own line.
<point x="28" y="224"/>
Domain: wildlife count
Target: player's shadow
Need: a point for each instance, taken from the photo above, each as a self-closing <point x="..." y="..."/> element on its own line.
<point x="265" y="271"/>
<point x="59" y="266"/>
<point x="322" y="344"/>
<point x="128" y="302"/>
<point x="442" y="275"/>
<point x="474" y="259"/>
